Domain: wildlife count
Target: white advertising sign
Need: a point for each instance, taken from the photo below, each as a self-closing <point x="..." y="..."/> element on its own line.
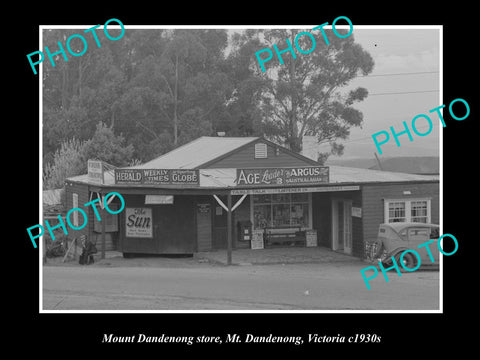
<point x="138" y="222"/>
<point x="95" y="171"/>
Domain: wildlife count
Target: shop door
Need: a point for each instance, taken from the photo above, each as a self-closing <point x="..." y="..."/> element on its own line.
<point x="204" y="227"/>
<point x="174" y="226"/>
<point x="342" y="226"/>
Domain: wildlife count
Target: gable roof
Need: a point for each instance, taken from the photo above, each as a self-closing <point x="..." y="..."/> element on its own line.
<point x="208" y="150"/>
<point x="196" y="153"/>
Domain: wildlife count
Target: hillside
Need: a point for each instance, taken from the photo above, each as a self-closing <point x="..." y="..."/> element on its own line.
<point x="407" y="164"/>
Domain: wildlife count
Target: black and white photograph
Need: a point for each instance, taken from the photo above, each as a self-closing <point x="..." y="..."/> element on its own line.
<point x="293" y="183"/>
<point x="214" y="178"/>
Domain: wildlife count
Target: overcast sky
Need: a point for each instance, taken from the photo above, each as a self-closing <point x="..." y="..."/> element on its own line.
<point x="407" y="64"/>
<point x="413" y="53"/>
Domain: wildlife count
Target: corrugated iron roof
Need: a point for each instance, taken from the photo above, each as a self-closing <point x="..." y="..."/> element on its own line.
<point x="343" y="174"/>
<point x="196" y="153"/>
<point x="205" y="149"/>
<point x="224" y="178"/>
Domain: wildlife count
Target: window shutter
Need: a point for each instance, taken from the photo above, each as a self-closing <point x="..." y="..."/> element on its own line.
<point x="260" y="151"/>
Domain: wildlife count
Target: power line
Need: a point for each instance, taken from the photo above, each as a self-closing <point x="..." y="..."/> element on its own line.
<point x="405" y="92"/>
<point x="400" y="74"/>
<point x="369" y="137"/>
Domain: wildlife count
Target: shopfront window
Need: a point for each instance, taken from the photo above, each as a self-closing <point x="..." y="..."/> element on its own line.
<point x="262" y="216"/>
<point x="281" y="215"/>
<point x="281" y="210"/>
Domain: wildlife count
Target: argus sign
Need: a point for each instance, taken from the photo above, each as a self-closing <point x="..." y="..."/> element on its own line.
<point x="282" y="176"/>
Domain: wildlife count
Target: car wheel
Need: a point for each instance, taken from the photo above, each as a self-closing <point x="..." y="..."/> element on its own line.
<point x="408" y="261"/>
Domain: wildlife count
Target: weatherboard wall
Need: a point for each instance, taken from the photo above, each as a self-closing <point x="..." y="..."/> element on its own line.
<point x="173" y="232"/>
<point x="373" y="199"/>
<point x="244" y="157"/>
<point x="93" y="227"/>
<point x="357" y="227"/>
<point x="83" y="197"/>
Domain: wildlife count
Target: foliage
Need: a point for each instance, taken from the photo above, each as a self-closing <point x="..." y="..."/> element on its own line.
<point x="306" y="95"/>
<point x="67" y="161"/>
<point x="161" y="88"/>
<point x="108" y="147"/>
<point x="71" y="159"/>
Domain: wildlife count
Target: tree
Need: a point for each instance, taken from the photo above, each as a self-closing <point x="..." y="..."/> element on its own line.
<point x="161" y="88"/>
<point x="67" y="161"/>
<point x="80" y="92"/>
<point x="108" y="147"/>
<point x="72" y="157"/>
<point x="306" y="95"/>
<point x="244" y="116"/>
<point x="194" y="87"/>
<point x="177" y="88"/>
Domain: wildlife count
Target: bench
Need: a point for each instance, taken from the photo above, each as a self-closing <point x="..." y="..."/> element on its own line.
<point x="284" y="237"/>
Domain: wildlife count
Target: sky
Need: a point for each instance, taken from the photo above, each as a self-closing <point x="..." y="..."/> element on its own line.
<point x="408" y="61"/>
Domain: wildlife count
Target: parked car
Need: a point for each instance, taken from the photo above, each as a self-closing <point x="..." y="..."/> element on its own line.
<point x="394" y="238"/>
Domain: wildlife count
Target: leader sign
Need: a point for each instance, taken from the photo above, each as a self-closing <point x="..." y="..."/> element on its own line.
<point x="282" y="176"/>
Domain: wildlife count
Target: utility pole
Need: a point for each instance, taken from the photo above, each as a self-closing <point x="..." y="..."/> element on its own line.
<point x="103" y="233"/>
<point x="229" y="229"/>
<point x="378" y="161"/>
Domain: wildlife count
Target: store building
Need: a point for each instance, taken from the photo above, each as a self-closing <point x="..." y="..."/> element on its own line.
<point x="178" y="202"/>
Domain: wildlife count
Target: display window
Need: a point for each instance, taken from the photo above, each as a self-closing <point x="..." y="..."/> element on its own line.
<point x="281" y="211"/>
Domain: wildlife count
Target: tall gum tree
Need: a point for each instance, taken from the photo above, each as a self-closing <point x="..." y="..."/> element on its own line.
<point x="306" y="94"/>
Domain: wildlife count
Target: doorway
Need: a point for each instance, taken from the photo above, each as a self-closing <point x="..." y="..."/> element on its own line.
<point x="342" y="225"/>
<point x="204" y="226"/>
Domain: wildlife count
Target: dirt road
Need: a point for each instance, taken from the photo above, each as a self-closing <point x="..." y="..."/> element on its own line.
<point x="256" y="287"/>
